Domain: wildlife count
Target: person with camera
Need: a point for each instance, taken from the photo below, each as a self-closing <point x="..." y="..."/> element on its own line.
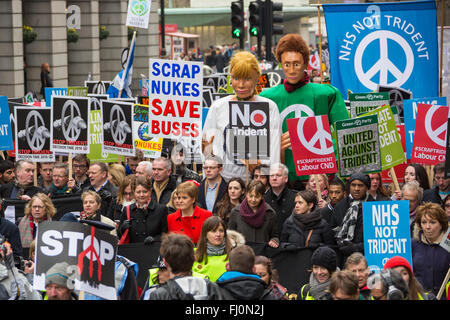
<point x="13" y="283"/>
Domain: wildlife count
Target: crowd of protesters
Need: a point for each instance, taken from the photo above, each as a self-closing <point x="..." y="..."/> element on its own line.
<point x="204" y="219"/>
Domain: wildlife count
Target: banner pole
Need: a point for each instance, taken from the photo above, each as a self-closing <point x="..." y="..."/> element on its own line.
<point x="246" y="171"/>
<point x="394" y="179"/>
<point x="444" y="283"/>
<point x="319" y="192"/>
<point x="35" y="174"/>
<point x="320" y="44"/>
<point x="70" y="165"/>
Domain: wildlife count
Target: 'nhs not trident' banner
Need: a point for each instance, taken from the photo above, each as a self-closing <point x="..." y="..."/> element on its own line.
<point x="393" y="44"/>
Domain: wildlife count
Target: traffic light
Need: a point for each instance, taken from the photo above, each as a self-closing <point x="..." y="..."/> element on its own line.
<point x="272" y="16"/>
<point x="275" y="16"/>
<point x="255" y="18"/>
<point x="237" y="19"/>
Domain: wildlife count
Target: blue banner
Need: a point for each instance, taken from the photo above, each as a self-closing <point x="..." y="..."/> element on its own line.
<point x="49" y="92"/>
<point x="390" y="44"/>
<point x="386" y="232"/>
<point x="410" y="113"/>
<point x="6" y="142"/>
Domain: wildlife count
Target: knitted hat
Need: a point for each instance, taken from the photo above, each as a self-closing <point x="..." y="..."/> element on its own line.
<point x="398" y="261"/>
<point x="57" y="274"/>
<point x="364" y="178"/>
<point x="325" y="257"/>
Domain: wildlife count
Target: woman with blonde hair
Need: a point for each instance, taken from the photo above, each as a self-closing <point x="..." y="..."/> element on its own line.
<point x="116" y="174"/>
<point x="39" y="208"/>
<point x="125" y="197"/>
<point x="323" y="185"/>
<point x="245" y="73"/>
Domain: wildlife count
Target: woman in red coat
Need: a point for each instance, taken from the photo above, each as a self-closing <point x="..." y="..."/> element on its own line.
<point x="189" y="217"/>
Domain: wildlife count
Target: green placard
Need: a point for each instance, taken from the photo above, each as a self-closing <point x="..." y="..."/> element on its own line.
<point x="96" y="140"/>
<point x="229" y="88"/>
<point x="361" y="103"/>
<point x="392" y="153"/>
<point x="77" y="91"/>
<point x="358" y="146"/>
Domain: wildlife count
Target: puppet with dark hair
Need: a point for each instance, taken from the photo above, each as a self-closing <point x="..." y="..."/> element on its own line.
<point x="298" y="97"/>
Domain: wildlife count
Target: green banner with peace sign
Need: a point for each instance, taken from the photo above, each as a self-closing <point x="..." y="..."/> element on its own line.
<point x="392" y="153"/>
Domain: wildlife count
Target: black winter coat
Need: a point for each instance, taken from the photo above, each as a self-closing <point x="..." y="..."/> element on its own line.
<point x="292" y="234"/>
<point x="144" y="223"/>
<point x="432" y="195"/>
<point x="357" y="244"/>
<point x="243" y="288"/>
<point x="166" y="194"/>
<point x="283" y="205"/>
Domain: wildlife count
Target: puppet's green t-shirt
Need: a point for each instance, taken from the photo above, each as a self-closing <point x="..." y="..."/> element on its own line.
<point x="312" y="99"/>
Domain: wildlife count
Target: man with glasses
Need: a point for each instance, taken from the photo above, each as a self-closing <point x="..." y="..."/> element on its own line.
<point x="214" y="186"/>
<point x="61" y="185"/>
<point x="80" y="167"/>
<point x="441" y="188"/>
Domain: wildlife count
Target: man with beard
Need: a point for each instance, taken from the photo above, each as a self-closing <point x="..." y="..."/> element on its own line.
<point x="183" y="173"/>
<point x="347" y="219"/>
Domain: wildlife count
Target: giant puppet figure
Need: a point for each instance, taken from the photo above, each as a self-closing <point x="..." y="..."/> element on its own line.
<point x="298" y="97"/>
<point x="244" y="72"/>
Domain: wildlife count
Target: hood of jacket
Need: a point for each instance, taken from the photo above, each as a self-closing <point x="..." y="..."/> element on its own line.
<point x="242" y="286"/>
<point x="195" y="286"/>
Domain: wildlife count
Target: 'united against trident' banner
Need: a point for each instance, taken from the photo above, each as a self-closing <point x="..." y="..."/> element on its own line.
<point x="358" y="146"/>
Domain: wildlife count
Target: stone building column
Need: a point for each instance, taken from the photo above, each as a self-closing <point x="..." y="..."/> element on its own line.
<point x="84" y="55"/>
<point x="48" y="19"/>
<point x="11" y="49"/>
<point x="113" y="15"/>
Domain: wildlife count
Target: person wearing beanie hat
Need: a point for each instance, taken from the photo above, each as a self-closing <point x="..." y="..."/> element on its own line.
<point x="324" y="264"/>
<point x="57" y="283"/>
<point x="347" y="220"/>
<point x="403" y="267"/>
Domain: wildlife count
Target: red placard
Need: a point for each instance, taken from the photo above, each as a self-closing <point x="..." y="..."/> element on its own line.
<point x="312" y="145"/>
<point x="400" y="169"/>
<point x="430" y="136"/>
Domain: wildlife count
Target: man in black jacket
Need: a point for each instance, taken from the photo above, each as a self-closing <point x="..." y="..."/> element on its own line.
<point x="23" y="187"/>
<point x="279" y="196"/>
<point x="98" y="176"/>
<point x="438" y="193"/>
<point x="347" y="219"/>
<point x="336" y="192"/>
<point x="164" y="183"/>
<point x="177" y="251"/>
<point x="240" y="281"/>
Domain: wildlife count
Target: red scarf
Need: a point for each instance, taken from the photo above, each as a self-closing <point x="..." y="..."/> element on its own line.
<point x="254" y="219"/>
<point x="289" y="87"/>
<point x="32" y="224"/>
